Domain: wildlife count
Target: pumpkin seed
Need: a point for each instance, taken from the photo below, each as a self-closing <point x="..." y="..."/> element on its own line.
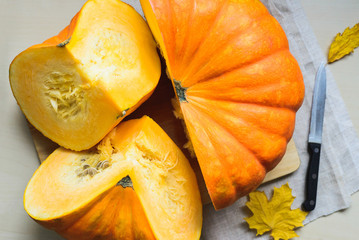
<point x="91" y="167"/>
<point x="103" y="164"/>
<point x="91" y="171"/>
<point x="85" y="166"/>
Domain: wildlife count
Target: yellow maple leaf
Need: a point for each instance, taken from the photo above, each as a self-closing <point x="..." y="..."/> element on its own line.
<point x="344" y="43"/>
<point x="275" y="215"/>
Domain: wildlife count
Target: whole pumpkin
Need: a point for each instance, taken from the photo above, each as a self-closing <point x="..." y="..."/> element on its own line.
<point x="75" y="87"/>
<point x="238" y="87"/>
<point x="136" y="184"/>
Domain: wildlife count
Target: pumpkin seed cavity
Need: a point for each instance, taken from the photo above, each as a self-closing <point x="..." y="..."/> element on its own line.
<point x="92" y="165"/>
<point x="65" y="97"/>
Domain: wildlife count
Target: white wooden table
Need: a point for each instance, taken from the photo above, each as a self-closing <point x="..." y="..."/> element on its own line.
<point x="24" y="23"/>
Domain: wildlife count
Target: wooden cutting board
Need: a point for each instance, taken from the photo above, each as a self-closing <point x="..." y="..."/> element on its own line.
<point x="159" y="108"/>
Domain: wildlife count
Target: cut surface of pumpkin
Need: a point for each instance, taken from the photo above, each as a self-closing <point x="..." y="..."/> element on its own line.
<point x="75" y="87"/>
<point x="136" y="184"/>
<point x="237" y="84"/>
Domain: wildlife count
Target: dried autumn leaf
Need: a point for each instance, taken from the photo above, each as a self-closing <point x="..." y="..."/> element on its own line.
<point x="275" y="215"/>
<point x="344" y="43"/>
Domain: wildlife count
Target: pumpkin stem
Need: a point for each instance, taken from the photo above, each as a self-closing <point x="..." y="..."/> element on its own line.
<point x="125" y="182"/>
<point x="180" y="91"/>
<point x="64" y="43"/>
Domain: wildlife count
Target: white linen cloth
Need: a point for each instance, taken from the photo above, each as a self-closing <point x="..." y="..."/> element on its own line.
<point x="339" y="164"/>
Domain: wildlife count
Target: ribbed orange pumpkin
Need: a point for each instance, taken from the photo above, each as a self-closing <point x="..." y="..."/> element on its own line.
<point x="238" y="86"/>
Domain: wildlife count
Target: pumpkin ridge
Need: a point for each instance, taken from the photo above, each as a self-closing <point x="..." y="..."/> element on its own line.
<point x="251" y="124"/>
<point x="266" y="104"/>
<point x="84" y="210"/>
<point x="246" y="73"/>
<point x="115" y="216"/>
<point x="200" y="111"/>
<point x="187" y="65"/>
<point x="236" y="186"/>
<point x="260" y="159"/>
<point x="219" y="48"/>
<point x="200" y="94"/>
<point x="225" y="164"/>
<point x="241" y="91"/>
<point x="267" y="135"/>
<point x="172" y="20"/>
<point x="241" y="65"/>
<point x="106" y="221"/>
<point x="133" y="222"/>
<point x="185" y="40"/>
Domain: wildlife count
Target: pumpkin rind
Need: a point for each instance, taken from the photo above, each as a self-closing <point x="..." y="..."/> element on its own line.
<point x="164" y="202"/>
<point x="84" y="81"/>
<point x="243" y="87"/>
<point x="126" y="220"/>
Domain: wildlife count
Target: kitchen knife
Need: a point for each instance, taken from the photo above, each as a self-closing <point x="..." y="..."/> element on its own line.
<point x="315" y="137"/>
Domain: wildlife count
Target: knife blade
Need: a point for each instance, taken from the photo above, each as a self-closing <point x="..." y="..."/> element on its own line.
<point x="315" y="137"/>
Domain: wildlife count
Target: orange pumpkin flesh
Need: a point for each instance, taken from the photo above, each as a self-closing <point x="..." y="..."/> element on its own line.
<point x="238" y="86"/>
<point x="84" y="81"/>
<point x="164" y="203"/>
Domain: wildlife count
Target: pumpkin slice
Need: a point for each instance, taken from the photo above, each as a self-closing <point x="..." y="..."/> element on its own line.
<point x="77" y="86"/>
<point x="238" y="87"/>
<point x="136" y="184"/>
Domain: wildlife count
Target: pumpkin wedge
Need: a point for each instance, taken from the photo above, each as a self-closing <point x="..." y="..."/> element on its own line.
<point x="136" y="184"/>
<point x="77" y="86"/>
<point x="237" y="84"/>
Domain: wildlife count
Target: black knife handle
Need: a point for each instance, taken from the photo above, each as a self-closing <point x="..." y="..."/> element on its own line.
<point x="312" y="177"/>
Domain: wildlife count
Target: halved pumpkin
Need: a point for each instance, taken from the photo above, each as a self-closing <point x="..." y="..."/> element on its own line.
<point x="238" y="87"/>
<point x="75" y="87"/>
<point x="137" y="184"/>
